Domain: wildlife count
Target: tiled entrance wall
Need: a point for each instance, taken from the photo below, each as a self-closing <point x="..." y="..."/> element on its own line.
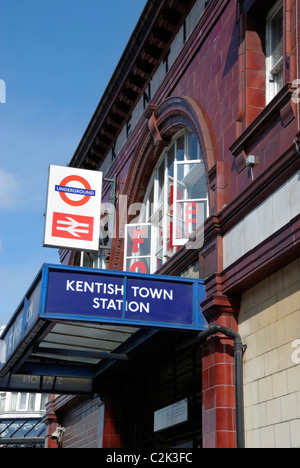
<point x="269" y="323"/>
<point x="82" y="425"/>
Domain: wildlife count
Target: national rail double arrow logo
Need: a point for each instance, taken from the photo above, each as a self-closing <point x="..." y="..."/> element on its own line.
<point x="72" y="226"/>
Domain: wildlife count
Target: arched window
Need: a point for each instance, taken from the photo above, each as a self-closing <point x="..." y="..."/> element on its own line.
<point x="175" y="204"/>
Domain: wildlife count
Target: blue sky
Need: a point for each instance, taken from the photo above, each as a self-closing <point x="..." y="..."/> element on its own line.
<point x="56" y="59"/>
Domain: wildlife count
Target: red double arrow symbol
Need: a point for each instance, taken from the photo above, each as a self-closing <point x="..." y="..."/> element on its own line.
<point x="72" y="226"/>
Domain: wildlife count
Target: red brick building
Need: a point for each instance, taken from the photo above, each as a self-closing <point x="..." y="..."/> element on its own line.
<point x="200" y="123"/>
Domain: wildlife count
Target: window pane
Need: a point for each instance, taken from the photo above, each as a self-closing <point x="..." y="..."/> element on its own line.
<point x="32" y="398"/>
<point x="274" y="51"/>
<point x="37" y="429"/>
<point x="138" y="240"/>
<point x="23" y="401"/>
<point x="151" y="201"/>
<point x="193" y="147"/>
<point x="138" y="253"/>
<point x="13" y="427"/>
<point x="25" y="428"/>
<point x="14" y="397"/>
<point x="2" y="402"/>
<point x="44" y="400"/>
<point x="277" y="37"/>
<point x="170" y="162"/>
<point x="138" y="265"/>
<point x="159" y="260"/>
<point x="170" y="193"/>
<point x="191" y="181"/>
<point x="158" y="232"/>
<point x="180" y="149"/>
<point x="189" y="215"/>
<point x="161" y="183"/>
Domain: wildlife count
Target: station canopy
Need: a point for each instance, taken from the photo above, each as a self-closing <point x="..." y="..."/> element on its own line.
<point x="22" y="433"/>
<point x="73" y="321"/>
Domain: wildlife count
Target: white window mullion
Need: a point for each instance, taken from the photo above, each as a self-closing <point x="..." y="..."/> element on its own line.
<point x="165" y="210"/>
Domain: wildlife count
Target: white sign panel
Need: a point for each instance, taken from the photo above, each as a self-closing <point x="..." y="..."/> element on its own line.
<point x="73" y="209"/>
<point x="171" y="415"/>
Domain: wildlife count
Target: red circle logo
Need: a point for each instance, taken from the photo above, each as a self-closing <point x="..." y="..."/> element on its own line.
<point x="66" y="199"/>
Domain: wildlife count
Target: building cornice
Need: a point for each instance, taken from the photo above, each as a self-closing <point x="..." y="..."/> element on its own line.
<point x="156" y="29"/>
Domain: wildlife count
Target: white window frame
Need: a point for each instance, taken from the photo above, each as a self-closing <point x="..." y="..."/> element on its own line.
<point x="184" y="200"/>
<point x="14" y="399"/>
<point x="164" y="244"/>
<point x="274" y="71"/>
<point x="138" y="257"/>
<point x="2" y="402"/>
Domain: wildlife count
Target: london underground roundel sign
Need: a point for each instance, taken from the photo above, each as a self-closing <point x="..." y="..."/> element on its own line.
<point x="64" y="190"/>
<point x="73" y="209"/>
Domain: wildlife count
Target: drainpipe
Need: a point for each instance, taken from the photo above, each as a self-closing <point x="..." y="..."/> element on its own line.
<point x="239" y="349"/>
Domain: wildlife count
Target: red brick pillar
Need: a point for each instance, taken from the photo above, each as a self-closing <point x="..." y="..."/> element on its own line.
<point x="218" y="378"/>
<point x="111" y="426"/>
<point x="52" y="423"/>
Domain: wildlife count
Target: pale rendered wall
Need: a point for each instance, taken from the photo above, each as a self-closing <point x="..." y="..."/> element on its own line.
<point x="270" y="216"/>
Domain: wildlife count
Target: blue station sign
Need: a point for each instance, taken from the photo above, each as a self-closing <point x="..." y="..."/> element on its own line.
<point x="123" y="298"/>
<point x="61" y="294"/>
